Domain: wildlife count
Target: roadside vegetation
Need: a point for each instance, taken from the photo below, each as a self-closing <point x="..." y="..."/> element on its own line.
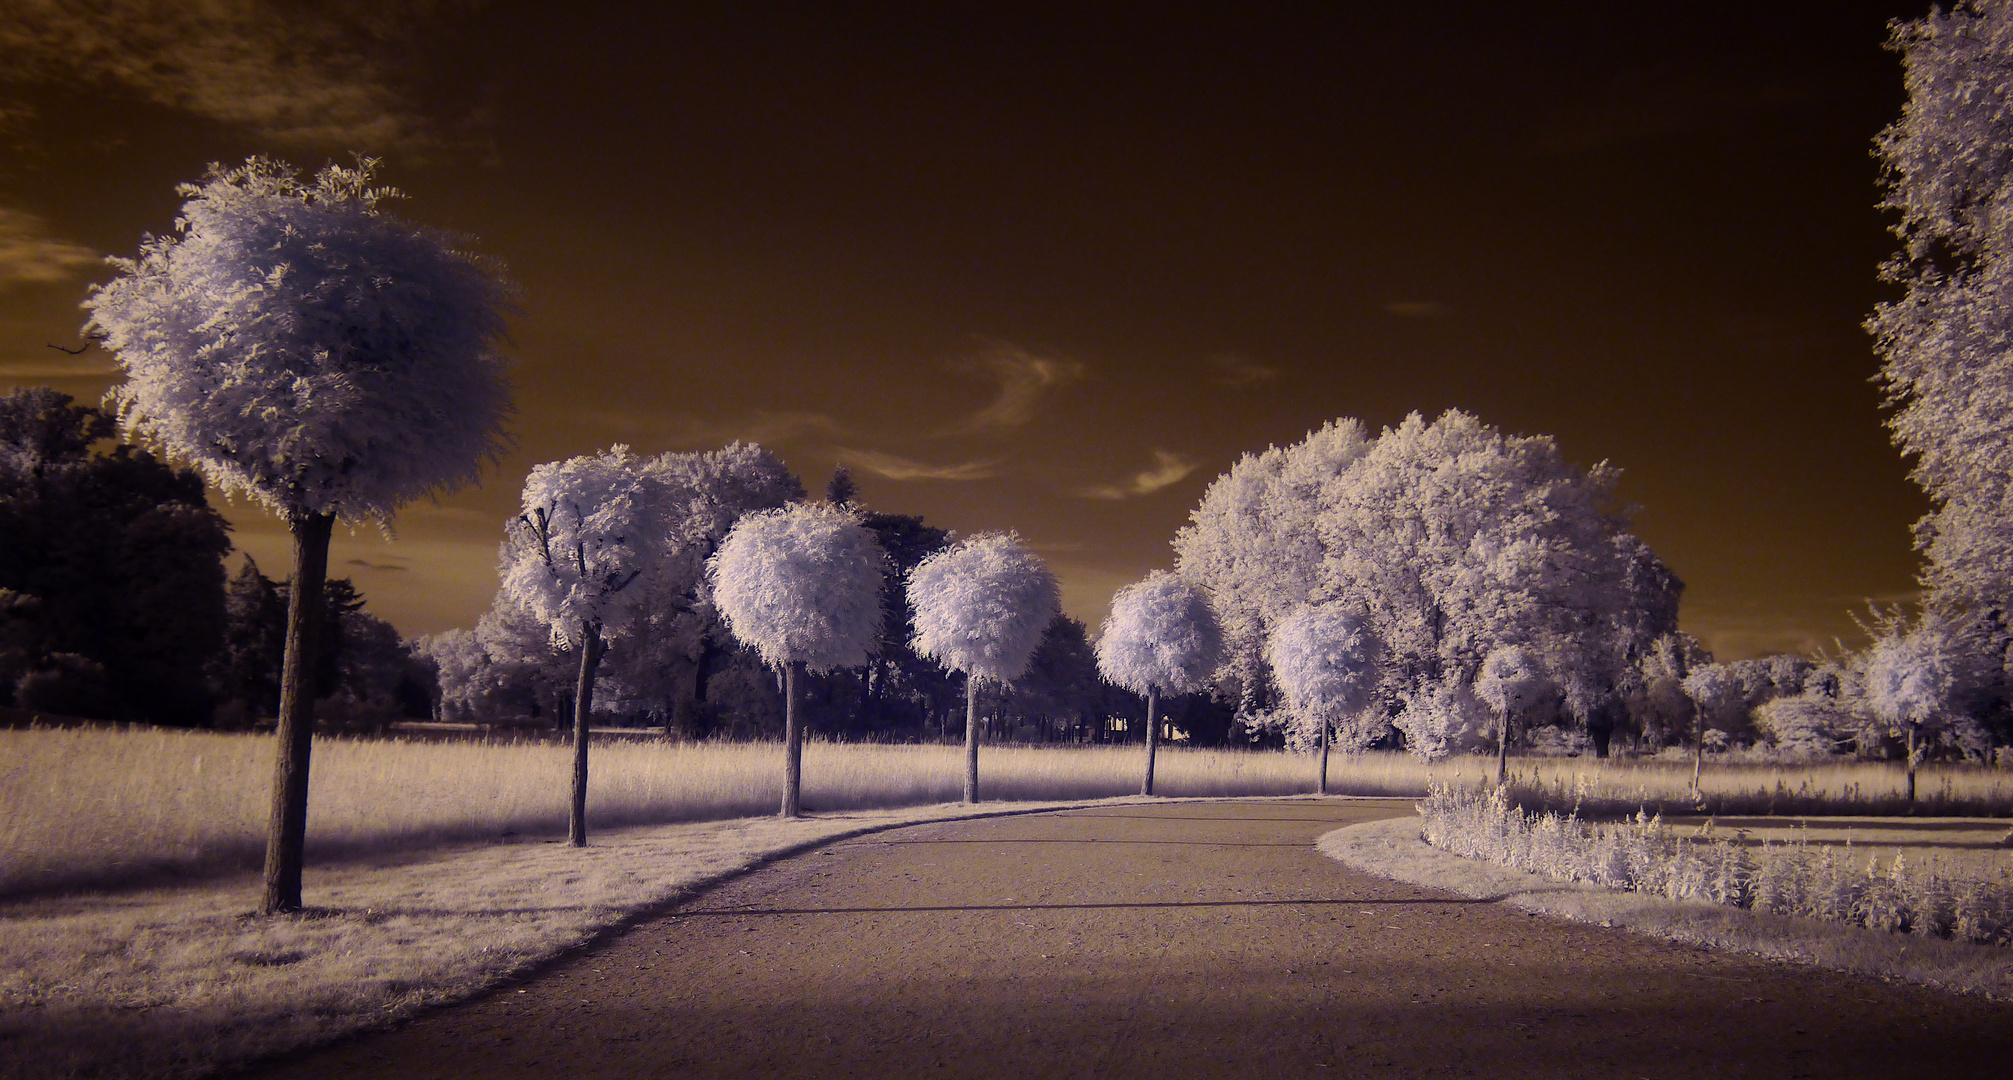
<point x="1642" y="854"/>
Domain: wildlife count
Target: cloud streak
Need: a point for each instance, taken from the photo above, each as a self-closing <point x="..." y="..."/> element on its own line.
<point x="290" y="73"/>
<point x="896" y="467"/>
<point x="1023" y="378"/>
<point x="1238" y="370"/>
<point x="30" y="255"/>
<point x="1169" y="468"/>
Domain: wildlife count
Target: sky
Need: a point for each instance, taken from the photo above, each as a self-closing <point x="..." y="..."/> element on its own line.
<point x="1054" y="269"/>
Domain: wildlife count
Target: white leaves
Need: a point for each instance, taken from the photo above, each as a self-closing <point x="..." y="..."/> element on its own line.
<point x="1947" y="364"/>
<point x="1910" y="676"/>
<point x="982" y="605"/>
<point x="1161" y="636"/>
<point x="1508" y="679"/>
<point x="1323" y="659"/>
<point x="589" y="538"/>
<point x="301" y="348"/>
<point x="802" y="585"/>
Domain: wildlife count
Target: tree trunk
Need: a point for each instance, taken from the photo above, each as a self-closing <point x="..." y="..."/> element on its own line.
<point x="1697" y="754"/>
<point x="971" y="738"/>
<point x="1911" y="767"/>
<point x="1152" y="743"/>
<point x="583" y="707"/>
<point x="287" y="829"/>
<point x="1322" y="786"/>
<point x="1503" y="749"/>
<point x="793" y="742"/>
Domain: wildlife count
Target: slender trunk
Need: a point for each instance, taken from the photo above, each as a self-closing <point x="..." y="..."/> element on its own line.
<point x="1697" y="754"/>
<point x="1322" y="786"/>
<point x="1503" y="748"/>
<point x="971" y="738"/>
<point x="583" y="707"/>
<point x="1911" y="768"/>
<point x="1152" y="742"/>
<point x="287" y="829"/>
<point x="793" y="742"/>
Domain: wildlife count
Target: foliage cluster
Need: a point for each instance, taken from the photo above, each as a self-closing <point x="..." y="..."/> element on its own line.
<point x="1641" y="854"/>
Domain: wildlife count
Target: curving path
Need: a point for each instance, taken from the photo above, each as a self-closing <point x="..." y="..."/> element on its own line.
<point x="1175" y="940"/>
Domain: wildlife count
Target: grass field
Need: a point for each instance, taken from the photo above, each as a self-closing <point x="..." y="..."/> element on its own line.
<point x="99" y="807"/>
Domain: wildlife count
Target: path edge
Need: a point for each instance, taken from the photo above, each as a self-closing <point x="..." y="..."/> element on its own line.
<point x="1392" y="848"/>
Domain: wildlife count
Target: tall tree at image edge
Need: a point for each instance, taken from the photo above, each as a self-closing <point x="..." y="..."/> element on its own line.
<point x="301" y="348"/>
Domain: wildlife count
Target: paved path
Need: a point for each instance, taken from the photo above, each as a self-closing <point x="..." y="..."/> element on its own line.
<point x="1169" y="941"/>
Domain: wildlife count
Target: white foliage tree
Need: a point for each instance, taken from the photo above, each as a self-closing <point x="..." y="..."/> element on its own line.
<point x="1253" y="544"/>
<point x="1325" y="662"/>
<point x="801" y="586"/>
<point x="1509" y="679"/>
<point x="302" y="348"/>
<point x="1453" y="539"/>
<point x="1910" y="678"/>
<point x="578" y="560"/>
<point x="1161" y="638"/>
<point x="981" y="607"/>
<point x="1713" y="689"/>
<point x="1947" y="367"/>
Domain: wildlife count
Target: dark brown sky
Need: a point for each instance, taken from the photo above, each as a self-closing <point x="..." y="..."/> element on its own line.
<point x="1054" y="270"/>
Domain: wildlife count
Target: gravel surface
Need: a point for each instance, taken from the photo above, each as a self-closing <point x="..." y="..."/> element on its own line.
<point x="1173" y="940"/>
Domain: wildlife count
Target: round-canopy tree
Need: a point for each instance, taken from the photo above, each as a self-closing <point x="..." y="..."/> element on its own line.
<point x="801" y="585"/>
<point x="1910" y="678"/>
<point x="1507" y="681"/>
<point x="1713" y="689"/>
<point x="981" y="606"/>
<point x="1161" y="638"/>
<point x="1325" y="661"/>
<point x="579" y="560"/>
<point x="302" y="348"/>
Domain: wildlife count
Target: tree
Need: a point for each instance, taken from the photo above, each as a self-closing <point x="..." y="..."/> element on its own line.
<point x="981" y="607"/>
<point x="1253" y="544"/>
<point x="1713" y="689"/>
<point x="590" y="530"/>
<point x="1453" y="539"/>
<point x="1910" y="677"/>
<point x="302" y="348"/>
<point x="1325" y="661"/>
<point x="802" y="586"/>
<point x="1508" y="680"/>
<point x="112" y="559"/>
<point x="1161" y="638"/>
<point x="1946" y="368"/>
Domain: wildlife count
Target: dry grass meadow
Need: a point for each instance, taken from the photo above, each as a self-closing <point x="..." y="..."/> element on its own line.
<point x="97" y="807"/>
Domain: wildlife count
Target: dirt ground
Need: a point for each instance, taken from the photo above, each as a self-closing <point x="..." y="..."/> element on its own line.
<point x="1183" y="940"/>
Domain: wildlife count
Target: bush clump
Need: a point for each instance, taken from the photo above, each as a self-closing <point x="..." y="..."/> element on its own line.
<point x="1640" y="854"/>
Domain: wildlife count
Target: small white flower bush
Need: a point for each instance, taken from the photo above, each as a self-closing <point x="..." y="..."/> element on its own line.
<point x="1640" y="854"/>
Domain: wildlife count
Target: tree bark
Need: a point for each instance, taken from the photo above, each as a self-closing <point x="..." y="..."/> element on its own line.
<point x="1503" y="748"/>
<point x="583" y="707"/>
<point x="1322" y="786"/>
<point x="971" y="738"/>
<point x="1911" y="767"/>
<point x="793" y="743"/>
<point x="1152" y="742"/>
<point x="287" y="829"/>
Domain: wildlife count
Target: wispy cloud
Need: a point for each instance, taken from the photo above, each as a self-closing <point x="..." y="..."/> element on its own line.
<point x="1238" y="370"/>
<point x="896" y="467"/>
<point x="760" y="426"/>
<point x="297" y="73"/>
<point x="1023" y="378"/>
<point x="30" y="255"/>
<point x="1169" y="468"/>
<point x="368" y="565"/>
<point x="1418" y="309"/>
